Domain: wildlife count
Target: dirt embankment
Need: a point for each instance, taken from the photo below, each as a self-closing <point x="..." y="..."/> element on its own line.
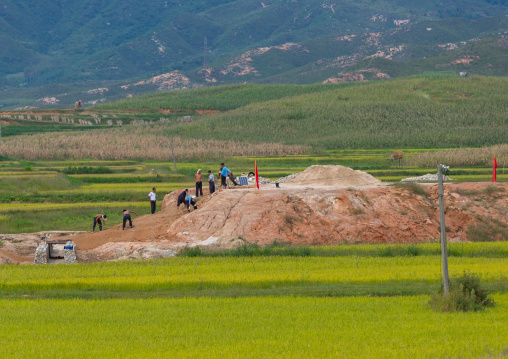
<point x="323" y="205"/>
<point x="333" y="216"/>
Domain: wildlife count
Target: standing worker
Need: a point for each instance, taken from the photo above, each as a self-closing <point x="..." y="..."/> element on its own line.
<point x="181" y="198"/>
<point x="225" y="172"/>
<point x="98" y="220"/>
<point x="151" y="195"/>
<point x="127" y="217"/>
<point x="211" y="182"/>
<point x="198" y="178"/>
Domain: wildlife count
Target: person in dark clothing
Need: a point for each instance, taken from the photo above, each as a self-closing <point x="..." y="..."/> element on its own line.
<point x="211" y="182"/>
<point x="190" y="201"/>
<point x="98" y="220"/>
<point x="198" y="178"/>
<point x="127" y="217"/>
<point x="181" y="198"/>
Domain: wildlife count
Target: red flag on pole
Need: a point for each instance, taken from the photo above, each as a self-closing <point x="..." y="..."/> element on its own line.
<point x="494" y="171"/>
<point x="257" y="175"/>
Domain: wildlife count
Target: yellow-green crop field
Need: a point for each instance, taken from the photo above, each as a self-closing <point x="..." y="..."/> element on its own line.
<point x="344" y="302"/>
<point x="249" y="327"/>
<point x="255" y="272"/>
<point x="31" y="207"/>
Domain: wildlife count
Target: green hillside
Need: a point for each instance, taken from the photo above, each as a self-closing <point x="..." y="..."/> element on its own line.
<point x="414" y="112"/>
<point x="218" y="98"/>
<point x="433" y="111"/>
<point x="64" y="41"/>
<point x="488" y="57"/>
<point x="477" y="46"/>
<point x="419" y="47"/>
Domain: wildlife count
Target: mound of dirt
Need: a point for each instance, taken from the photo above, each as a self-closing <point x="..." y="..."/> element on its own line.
<point x="327" y="215"/>
<point x="334" y="176"/>
<point x="323" y="207"/>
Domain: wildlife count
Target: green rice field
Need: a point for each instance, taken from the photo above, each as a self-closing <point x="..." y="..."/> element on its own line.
<point x="249" y="327"/>
<point x="339" y="301"/>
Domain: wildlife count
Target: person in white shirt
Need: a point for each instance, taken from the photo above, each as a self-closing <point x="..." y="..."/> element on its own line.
<point x="151" y="195"/>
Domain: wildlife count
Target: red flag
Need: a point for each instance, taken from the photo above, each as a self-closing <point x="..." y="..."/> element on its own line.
<point x="494" y="172"/>
<point x="257" y="175"/>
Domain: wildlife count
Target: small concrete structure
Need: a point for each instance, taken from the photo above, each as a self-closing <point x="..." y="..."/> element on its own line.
<point x="45" y="251"/>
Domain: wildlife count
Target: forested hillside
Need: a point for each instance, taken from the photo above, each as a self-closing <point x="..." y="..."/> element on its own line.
<point x="66" y="41"/>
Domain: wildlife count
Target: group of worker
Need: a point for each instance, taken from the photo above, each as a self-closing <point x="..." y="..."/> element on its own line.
<point x="188" y="199"/>
<point x="225" y="176"/>
<point x="100" y="219"/>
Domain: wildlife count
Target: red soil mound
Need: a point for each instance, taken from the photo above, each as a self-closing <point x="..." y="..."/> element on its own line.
<point x="300" y="215"/>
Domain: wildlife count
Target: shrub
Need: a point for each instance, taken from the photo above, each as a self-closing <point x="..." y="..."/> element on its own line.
<point x="486" y="230"/>
<point x="466" y="294"/>
<point x="493" y="189"/>
<point x="356" y="210"/>
<point x="413" y="250"/>
<point x="191" y="252"/>
<point x="386" y="252"/>
<point x="86" y="170"/>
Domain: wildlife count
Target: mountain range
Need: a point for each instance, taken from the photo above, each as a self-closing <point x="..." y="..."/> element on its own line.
<point x="55" y="51"/>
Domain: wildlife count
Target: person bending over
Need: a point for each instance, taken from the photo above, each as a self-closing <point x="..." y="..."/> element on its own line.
<point x="190" y="201"/>
<point x="127" y="217"/>
<point x="98" y="220"/>
<point x="181" y="198"/>
<point x="226" y="173"/>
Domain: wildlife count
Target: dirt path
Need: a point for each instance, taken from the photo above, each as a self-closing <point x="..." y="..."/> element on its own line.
<point x="7" y="257"/>
<point x="146" y="228"/>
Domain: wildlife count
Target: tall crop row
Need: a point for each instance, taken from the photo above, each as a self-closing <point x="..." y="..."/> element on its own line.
<point x="465" y="156"/>
<point x="133" y="143"/>
<point x="406" y="113"/>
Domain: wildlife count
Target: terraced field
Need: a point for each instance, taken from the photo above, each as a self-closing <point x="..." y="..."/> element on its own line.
<point x="39" y="195"/>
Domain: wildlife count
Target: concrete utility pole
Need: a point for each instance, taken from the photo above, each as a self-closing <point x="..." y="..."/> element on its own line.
<point x="173" y="153"/>
<point x="444" y="253"/>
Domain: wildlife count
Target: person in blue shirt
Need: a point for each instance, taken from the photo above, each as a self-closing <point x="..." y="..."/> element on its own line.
<point x="190" y="200"/>
<point x="225" y="172"/>
<point x="211" y="182"/>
